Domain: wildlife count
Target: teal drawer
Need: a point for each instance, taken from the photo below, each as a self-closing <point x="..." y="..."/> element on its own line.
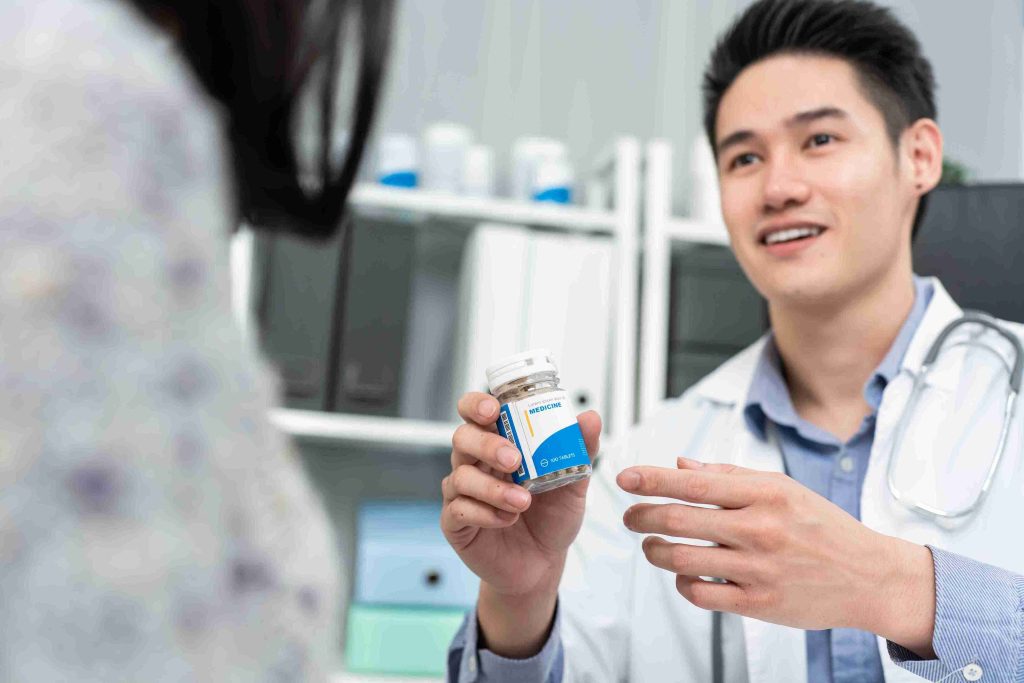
<point x="400" y="640"/>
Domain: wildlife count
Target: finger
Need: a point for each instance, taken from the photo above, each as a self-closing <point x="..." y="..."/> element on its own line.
<point x="693" y="486"/>
<point x="462" y="513"/>
<point x="590" y="425"/>
<point x="692" y="560"/>
<point x="689" y="464"/>
<point x="478" y="408"/>
<point x="472" y="482"/>
<point x="684" y="521"/>
<point x="472" y="444"/>
<point x="712" y="595"/>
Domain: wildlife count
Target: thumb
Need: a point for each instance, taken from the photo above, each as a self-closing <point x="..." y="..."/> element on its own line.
<point x="590" y="425"/>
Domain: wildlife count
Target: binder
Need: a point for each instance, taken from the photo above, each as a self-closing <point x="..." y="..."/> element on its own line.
<point x="524" y="289"/>
<point x="491" y="299"/>
<point x="714" y="313"/>
<point x="295" y="282"/>
<point x="568" y="310"/>
<point x="373" y="317"/>
<point x="713" y="303"/>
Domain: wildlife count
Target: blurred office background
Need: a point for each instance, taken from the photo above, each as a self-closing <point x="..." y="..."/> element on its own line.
<point x="585" y="70"/>
<point x="376" y="336"/>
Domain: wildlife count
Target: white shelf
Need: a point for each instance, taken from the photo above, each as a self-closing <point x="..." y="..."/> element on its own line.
<point x="345" y="677"/>
<point x="364" y="429"/>
<point x="566" y="217"/>
<point x="689" y="230"/>
<point x="617" y="174"/>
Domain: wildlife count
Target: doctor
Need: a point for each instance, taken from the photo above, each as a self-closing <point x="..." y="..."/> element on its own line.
<point x="823" y="123"/>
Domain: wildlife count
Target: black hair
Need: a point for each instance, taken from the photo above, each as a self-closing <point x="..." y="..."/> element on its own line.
<point x="255" y="57"/>
<point x="885" y="54"/>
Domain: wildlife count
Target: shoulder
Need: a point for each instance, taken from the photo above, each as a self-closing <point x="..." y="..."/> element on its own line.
<point x="1014" y="328"/>
<point x="101" y="115"/>
<point x="86" y="37"/>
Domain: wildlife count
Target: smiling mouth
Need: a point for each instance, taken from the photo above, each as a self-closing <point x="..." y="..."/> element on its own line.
<point x="791" y="235"/>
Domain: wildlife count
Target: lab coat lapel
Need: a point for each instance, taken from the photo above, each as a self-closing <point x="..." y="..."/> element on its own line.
<point x="774" y="652"/>
<point x="777" y="653"/>
<point x="879" y="510"/>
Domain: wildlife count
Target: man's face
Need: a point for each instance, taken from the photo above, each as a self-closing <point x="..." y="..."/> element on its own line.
<point x="817" y="204"/>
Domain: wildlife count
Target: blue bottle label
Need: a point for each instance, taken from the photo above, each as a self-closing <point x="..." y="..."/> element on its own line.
<point x="546" y="432"/>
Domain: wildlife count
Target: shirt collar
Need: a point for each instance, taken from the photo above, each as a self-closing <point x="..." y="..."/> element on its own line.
<point x="768" y="397"/>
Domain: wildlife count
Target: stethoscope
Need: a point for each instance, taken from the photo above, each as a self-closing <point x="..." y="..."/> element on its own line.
<point x="986" y="322"/>
<point x="934" y="512"/>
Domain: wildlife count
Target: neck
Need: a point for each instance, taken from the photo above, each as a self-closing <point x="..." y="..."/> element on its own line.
<point x="830" y="352"/>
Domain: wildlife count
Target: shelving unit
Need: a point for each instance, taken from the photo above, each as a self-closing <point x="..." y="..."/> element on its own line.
<point x="345" y="677"/>
<point x="476" y="210"/>
<point x="661" y="229"/>
<point x="616" y="176"/>
<point x="617" y="169"/>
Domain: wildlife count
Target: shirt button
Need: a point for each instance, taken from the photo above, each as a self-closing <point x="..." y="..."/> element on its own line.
<point x="973" y="672"/>
<point x="846" y="464"/>
<point x="471" y="665"/>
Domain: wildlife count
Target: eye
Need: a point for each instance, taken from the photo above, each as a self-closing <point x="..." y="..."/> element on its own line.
<point x="820" y="139"/>
<point x="744" y="159"/>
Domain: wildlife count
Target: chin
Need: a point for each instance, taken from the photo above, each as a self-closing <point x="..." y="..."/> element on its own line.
<point x="803" y="289"/>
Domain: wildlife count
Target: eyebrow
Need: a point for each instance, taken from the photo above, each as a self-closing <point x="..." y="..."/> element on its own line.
<point x="801" y="119"/>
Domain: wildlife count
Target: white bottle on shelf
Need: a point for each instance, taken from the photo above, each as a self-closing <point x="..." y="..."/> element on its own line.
<point x="397" y="160"/>
<point x="478" y="174"/>
<point x="528" y="153"/>
<point x="552" y="181"/>
<point x="445" y="145"/>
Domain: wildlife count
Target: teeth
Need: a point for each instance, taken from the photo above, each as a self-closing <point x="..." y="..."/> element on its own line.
<point x="791" y="234"/>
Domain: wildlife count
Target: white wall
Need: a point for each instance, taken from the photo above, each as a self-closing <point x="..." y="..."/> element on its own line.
<point x="587" y="70"/>
<point x="975" y="48"/>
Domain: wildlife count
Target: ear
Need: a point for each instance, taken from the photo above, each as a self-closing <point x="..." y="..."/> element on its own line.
<point x="922" y="148"/>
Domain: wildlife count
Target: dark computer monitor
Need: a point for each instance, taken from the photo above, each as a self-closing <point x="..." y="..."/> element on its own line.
<point x="972" y="238"/>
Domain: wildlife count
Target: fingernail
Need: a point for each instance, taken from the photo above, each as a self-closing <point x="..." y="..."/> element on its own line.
<point x="629" y="480"/>
<point x="486" y="408"/>
<point x="508" y="457"/>
<point x="517" y="497"/>
<point x="686" y="462"/>
<point x="626" y="518"/>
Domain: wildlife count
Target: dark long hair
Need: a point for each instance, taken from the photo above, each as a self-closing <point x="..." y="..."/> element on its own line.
<point x="256" y="57"/>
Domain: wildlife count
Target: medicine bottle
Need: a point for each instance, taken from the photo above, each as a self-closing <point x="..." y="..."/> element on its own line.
<point x="537" y="417"/>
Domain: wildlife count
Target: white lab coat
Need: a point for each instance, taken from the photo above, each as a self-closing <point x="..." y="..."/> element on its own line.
<point x="622" y="619"/>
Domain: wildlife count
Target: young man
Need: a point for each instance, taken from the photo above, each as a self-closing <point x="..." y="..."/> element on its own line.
<point x="821" y="115"/>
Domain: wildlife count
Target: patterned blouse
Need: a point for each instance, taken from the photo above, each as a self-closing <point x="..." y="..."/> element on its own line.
<point x="153" y="524"/>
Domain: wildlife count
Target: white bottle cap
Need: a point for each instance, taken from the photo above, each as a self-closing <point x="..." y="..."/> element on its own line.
<point x="478" y="178"/>
<point x="518" y="366"/>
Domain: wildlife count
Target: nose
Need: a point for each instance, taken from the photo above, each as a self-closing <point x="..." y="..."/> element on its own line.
<point x="784" y="186"/>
